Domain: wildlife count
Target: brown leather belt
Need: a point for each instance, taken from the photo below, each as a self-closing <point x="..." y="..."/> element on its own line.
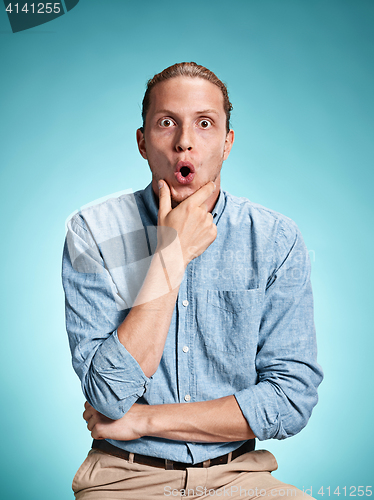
<point x="163" y="463"/>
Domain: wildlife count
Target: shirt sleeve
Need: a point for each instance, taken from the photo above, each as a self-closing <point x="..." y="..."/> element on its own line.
<point x="288" y="374"/>
<point x="112" y="380"/>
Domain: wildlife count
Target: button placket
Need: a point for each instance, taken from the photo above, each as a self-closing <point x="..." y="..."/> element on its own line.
<point x="182" y="363"/>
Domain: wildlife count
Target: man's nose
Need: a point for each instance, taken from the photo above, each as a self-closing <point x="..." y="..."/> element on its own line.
<point x="184" y="141"/>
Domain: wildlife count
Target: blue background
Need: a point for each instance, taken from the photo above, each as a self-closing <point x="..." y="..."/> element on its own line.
<point x="300" y="76"/>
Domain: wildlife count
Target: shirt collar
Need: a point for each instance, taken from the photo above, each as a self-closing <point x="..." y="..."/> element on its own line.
<point x="149" y="200"/>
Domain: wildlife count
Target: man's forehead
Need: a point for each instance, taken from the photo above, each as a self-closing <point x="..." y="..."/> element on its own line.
<point x="186" y="94"/>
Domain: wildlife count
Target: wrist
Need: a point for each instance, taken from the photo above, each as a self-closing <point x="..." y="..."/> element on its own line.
<point x="174" y="263"/>
<point x="135" y="419"/>
<point x="144" y="420"/>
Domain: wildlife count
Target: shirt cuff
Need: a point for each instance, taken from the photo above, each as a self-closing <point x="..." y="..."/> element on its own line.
<point x="259" y="407"/>
<point x="119" y="369"/>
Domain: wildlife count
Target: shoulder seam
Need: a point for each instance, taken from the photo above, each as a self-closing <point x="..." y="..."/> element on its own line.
<point x="77" y="218"/>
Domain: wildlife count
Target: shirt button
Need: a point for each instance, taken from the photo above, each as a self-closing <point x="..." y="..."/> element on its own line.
<point x="185" y="303"/>
<point x="187" y="397"/>
<point x="185" y="348"/>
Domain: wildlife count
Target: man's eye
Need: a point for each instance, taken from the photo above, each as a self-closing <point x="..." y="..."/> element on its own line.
<point x="166" y="123"/>
<point x="205" y="123"/>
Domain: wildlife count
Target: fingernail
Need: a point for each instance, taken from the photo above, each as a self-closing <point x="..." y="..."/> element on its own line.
<point x="160" y="184"/>
<point x="214" y="186"/>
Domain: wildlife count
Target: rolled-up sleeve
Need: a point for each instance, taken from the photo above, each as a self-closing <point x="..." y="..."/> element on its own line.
<point x="288" y="374"/>
<point x="112" y="380"/>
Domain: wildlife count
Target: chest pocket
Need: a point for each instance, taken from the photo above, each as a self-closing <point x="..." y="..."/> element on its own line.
<point x="232" y="319"/>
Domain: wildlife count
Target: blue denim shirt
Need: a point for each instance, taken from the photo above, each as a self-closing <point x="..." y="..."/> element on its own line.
<point x="242" y="324"/>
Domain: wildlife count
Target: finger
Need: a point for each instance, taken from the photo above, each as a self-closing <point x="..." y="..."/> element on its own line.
<point x="88" y="406"/>
<point x="95" y="433"/>
<point x="91" y="422"/>
<point x="87" y="415"/>
<point x="201" y="194"/>
<point x="164" y="200"/>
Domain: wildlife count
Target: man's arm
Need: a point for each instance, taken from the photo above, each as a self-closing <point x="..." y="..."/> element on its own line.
<point x="112" y="381"/>
<point x="143" y="333"/>
<point x="115" y="363"/>
<point x="281" y="402"/>
<point x="216" y="421"/>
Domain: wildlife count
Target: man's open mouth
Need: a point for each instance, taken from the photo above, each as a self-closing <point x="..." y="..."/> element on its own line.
<point x="184" y="172"/>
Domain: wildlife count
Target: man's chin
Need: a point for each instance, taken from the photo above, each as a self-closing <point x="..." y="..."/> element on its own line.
<point x="175" y="201"/>
<point x="177" y="196"/>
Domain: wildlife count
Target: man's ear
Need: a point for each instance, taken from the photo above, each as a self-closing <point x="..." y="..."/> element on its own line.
<point x="229" y="141"/>
<point x="141" y="142"/>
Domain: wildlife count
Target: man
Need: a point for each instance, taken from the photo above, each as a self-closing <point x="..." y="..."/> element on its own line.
<point x="194" y="338"/>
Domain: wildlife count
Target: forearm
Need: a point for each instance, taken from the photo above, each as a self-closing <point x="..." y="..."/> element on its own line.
<point x="218" y="420"/>
<point x="144" y="331"/>
<point x="215" y="421"/>
<point x="183" y="233"/>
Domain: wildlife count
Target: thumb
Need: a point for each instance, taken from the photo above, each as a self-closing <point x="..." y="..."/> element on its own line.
<point x="164" y="201"/>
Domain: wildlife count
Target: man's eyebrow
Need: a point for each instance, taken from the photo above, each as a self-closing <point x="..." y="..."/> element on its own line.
<point x="164" y="112"/>
<point x="207" y="111"/>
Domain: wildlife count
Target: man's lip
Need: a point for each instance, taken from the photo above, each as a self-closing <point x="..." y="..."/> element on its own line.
<point x="179" y="177"/>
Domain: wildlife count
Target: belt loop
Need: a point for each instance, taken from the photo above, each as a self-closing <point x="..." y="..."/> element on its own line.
<point x="229" y="457"/>
<point x="131" y="458"/>
<point x="168" y="464"/>
<point x="206" y="463"/>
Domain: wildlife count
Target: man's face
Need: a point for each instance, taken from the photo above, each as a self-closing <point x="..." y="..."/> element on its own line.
<point x="185" y="139"/>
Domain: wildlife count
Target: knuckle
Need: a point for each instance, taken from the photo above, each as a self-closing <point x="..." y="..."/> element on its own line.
<point x="209" y="220"/>
<point x="94" y="433"/>
<point x="201" y="216"/>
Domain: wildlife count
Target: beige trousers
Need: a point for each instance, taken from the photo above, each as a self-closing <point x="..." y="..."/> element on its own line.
<point x="105" y="477"/>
